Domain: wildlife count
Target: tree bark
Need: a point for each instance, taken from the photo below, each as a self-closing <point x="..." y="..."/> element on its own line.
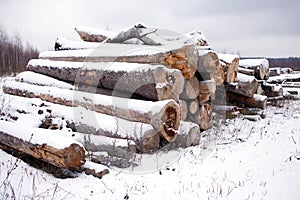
<point x="70" y="157"/>
<point x="231" y="64"/>
<point x="152" y="82"/>
<point x="257" y="101"/>
<point x="164" y="116"/>
<point x="244" y="85"/>
<point x="174" y="56"/>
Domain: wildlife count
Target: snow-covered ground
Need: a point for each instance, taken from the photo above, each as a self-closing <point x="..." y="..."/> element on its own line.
<point x="250" y="160"/>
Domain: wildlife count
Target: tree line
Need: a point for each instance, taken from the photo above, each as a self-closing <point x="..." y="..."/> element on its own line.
<point x="291" y="62"/>
<point x="14" y="55"/>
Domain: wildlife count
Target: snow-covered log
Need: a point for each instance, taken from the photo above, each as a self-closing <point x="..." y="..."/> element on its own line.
<point x="295" y="77"/>
<point x="191" y="89"/>
<point x="257" y="101"/>
<point x="249" y="72"/>
<point x="62" y="43"/>
<point x="188" y="135"/>
<point x="154" y="82"/>
<point x="260" y="67"/>
<point x="49" y="146"/>
<point x="164" y="116"/>
<point x="231" y="64"/>
<point x="174" y="55"/>
<point x="89" y="34"/>
<point x="272" y="90"/>
<point x="244" y="85"/>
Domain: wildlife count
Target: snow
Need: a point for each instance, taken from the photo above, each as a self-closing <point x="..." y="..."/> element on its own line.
<point x="39" y="79"/>
<point x="108" y="66"/>
<point x="36" y="135"/>
<point x="70" y="44"/>
<point x="227" y="57"/>
<point x="237" y="159"/>
<point x="250" y="63"/>
<point x="243" y="78"/>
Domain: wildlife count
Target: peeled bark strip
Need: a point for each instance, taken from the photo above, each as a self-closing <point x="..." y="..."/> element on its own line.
<point x="69" y="157"/>
<point x="260" y="67"/>
<point x="191" y="89"/>
<point x="89" y="34"/>
<point x="205" y="112"/>
<point x="257" y="101"/>
<point x="244" y="85"/>
<point x="152" y="82"/>
<point x="164" y="116"/>
<point x="174" y="56"/>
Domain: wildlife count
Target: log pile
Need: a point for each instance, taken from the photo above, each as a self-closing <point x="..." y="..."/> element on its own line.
<point x="131" y="92"/>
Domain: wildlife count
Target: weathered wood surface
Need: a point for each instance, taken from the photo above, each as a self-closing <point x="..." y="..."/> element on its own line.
<point x="174" y="56"/>
<point x="69" y="157"/>
<point x="89" y="34"/>
<point x="152" y="82"/>
<point x="191" y="89"/>
<point x="231" y="64"/>
<point x="164" y="116"/>
<point x="260" y="67"/>
<point x="188" y="135"/>
<point x="272" y="90"/>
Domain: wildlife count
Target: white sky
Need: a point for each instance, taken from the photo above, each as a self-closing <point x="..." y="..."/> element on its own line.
<point x="249" y="28"/>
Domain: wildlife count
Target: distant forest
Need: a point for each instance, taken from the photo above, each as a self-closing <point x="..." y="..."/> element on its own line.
<point x="14" y="55"/>
<point x="291" y="62"/>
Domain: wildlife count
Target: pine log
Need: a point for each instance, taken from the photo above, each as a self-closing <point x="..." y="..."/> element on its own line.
<point x="205" y="112"/>
<point x="249" y="72"/>
<point x="154" y="82"/>
<point x="174" y="56"/>
<point x="188" y="135"/>
<point x="183" y="109"/>
<point x="272" y="90"/>
<point x="193" y="106"/>
<point x="260" y="67"/>
<point x="244" y="85"/>
<point x="231" y="66"/>
<point x="121" y="138"/>
<point x="208" y="62"/>
<point x="191" y="89"/>
<point x="36" y="143"/>
<point x="257" y="101"/>
<point x="89" y="34"/>
<point x="164" y="116"/>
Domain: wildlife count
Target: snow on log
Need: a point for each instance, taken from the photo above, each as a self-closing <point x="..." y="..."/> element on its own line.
<point x="174" y="55"/>
<point x="154" y="82"/>
<point x="191" y="89"/>
<point x="257" y="101"/>
<point x="164" y="116"/>
<point x="260" y="67"/>
<point x="231" y="64"/>
<point x="188" y="135"/>
<point x="95" y="169"/>
<point x="62" y="43"/>
<point x="89" y="34"/>
<point x="119" y="137"/>
<point x="49" y="146"/>
<point x="244" y="85"/>
<point x="249" y="72"/>
<point x="284" y="78"/>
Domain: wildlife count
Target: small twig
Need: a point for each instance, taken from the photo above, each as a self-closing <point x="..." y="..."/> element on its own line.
<point x="293" y="139"/>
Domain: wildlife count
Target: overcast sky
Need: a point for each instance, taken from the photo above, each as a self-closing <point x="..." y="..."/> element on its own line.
<point x="248" y="28"/>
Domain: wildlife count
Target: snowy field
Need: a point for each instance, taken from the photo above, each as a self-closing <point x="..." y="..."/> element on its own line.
<point x="250" y="160"/>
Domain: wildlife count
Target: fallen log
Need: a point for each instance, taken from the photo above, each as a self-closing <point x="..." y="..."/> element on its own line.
<point x="260" y="67"/>
<point x="244" y="85"/>
<point x="174" y="55"/>
<point x="164" y="116"/>
<point x="191" y="89"/>
<point x="57" y="150"/>
<point x="257" y="101"/>
<point x="89" y="34"/>
<point x="154" y="82"/>
<point x="231" y="66"/>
